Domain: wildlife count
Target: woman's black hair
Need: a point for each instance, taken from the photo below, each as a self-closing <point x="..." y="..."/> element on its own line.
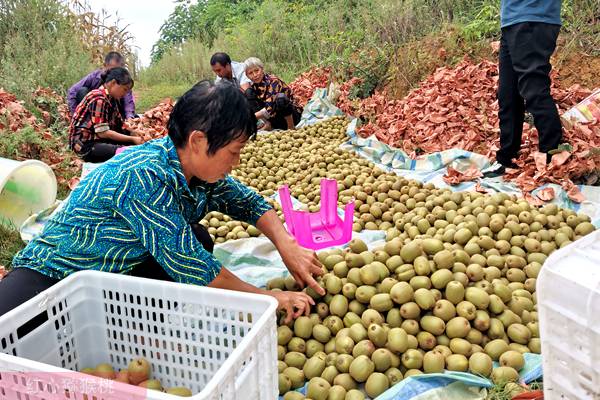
<point x="219" y="110"/>
<point x="119" y="74"/>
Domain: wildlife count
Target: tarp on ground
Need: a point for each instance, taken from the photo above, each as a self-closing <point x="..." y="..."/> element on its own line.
<point x="256" y="260"/>
<point x="318" y="108"/>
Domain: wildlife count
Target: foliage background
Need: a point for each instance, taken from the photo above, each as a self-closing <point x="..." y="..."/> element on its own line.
<point x="377" y="40"/>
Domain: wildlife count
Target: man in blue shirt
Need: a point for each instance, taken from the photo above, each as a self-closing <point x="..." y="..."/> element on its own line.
<point x="138" y="213"/>
<point x="529" y="32"/>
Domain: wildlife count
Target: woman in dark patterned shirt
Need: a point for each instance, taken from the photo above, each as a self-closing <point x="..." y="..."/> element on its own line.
<point x="96" y="131"/>
<point x="271" y="98"/>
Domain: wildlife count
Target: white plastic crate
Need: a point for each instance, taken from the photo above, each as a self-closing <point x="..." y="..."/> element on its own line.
<point x="568" y="298"/>
<point x="219" y="344"/>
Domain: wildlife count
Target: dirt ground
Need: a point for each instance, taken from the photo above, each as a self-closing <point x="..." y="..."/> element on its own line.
<point x="419" y="59"/>
<point x="578" y="68"/>
<point x="415" y="61"/>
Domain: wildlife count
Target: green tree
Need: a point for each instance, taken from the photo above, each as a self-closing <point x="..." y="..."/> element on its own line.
<point x="203" y="20"/>
<point x="176" y="29"/>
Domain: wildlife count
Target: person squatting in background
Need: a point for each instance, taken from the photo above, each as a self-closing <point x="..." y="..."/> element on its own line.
<point x="92" y="81"/>
<point x="270" y="98"/>
<point x="96" y="131"/>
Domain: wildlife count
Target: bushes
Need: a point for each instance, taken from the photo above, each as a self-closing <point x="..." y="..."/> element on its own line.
<point x="38" y="47"/>
<point x="291" y="36"/>
<point x="357" y="37"/>
<point x="203" y="20"/>
<point x="581" y="23"/>
<point x="485" y="24"/>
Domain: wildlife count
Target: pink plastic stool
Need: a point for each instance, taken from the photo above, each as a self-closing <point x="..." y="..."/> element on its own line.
<point x="323" y="228"/>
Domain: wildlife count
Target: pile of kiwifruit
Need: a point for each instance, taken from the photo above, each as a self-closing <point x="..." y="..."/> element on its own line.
<point x="300" y="159"/>
<point x="222" y="227"/>
<point x="453" y="288"/>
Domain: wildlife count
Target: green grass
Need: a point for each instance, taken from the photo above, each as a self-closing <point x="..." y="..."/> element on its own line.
<point x="21" y="144"/>
<point x="148" y="96"/>
<point x="10" y="244"/>
<point x="499" y="392"/>
<point x="536" y="385"/>
<point x="502" y="392"/>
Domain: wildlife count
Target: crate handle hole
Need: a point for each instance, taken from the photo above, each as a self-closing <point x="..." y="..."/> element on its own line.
<point x="32" y="324"/>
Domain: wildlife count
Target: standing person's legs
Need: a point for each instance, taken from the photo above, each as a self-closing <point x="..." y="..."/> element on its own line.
<point x="511" y="105"/>
<point x="531" y="48"/>
<point x="153" y="270"/>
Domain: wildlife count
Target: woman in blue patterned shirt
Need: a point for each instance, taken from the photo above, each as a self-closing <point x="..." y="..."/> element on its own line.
<point x="137" y="213"/>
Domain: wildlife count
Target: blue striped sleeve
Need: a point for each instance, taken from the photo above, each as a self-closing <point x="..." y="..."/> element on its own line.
<point x="233" y="198"/>
<point x="147" y="201"/>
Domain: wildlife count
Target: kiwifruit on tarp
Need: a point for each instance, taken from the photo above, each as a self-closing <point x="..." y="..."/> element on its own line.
<point x="453" y="385"/>
<point x="256" y="261"/>
<point x="432" y="168"/>
<point x="448" y="168"/>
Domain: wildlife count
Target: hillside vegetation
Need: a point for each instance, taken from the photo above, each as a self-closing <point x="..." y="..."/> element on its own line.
<point x="385" y="42"/>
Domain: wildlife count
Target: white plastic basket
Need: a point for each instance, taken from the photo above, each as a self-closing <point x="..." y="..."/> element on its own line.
<point x="220" y="344"/>
<point x="568" y="294"/>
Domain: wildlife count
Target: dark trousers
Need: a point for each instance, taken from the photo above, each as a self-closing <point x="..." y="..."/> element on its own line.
<point x="101" y="151"/>
<point x="153" y="270"/>
<point x="85" y="90"/>
<point x="524" y="84"/>
<point x="253" y="101"/>
<point x="282" y="108"/>
<point x="22" y="284"/>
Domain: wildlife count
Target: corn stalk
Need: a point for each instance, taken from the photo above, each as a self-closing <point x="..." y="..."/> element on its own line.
<point x="102" y="32"/>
